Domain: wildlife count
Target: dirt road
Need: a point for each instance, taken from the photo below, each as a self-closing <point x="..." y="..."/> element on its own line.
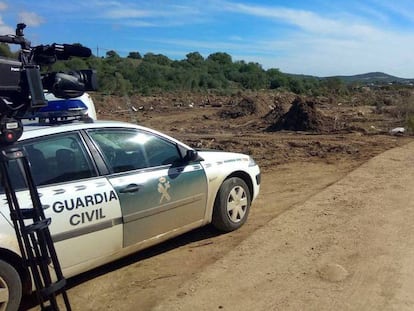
<point x="350" y="247"/>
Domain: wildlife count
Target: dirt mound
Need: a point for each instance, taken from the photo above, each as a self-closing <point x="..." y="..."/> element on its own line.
<point x="303" y="115"/>
<point x="245" y="107"/>
<point x="276" y="113"/>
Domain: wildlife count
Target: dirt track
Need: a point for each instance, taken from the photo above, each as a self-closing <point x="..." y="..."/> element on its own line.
<point x="349" y="247"/>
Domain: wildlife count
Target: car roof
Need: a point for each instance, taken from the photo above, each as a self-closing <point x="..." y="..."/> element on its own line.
<point x="33" y="129"/>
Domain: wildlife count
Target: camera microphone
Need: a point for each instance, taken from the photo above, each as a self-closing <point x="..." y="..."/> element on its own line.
<point x="48" y="54"/>
<point x="68" y="50"/>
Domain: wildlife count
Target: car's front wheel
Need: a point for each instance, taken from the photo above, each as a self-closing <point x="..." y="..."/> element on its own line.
<point x="232" y="205"/>
<point x="10" y="287"/>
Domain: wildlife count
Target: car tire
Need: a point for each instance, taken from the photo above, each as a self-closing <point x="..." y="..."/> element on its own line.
<point x="232" y="205"/>
<point x="10" y="287"/>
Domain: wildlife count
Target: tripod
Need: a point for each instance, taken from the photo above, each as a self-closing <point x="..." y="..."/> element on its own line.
<point x="32" y="232"/>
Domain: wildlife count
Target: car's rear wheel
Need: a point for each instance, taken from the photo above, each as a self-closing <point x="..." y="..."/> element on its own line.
<point x="232" y="205"/>
<point x="10" y="287"/>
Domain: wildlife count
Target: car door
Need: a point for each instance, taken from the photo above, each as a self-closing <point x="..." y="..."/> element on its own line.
<point x="83" y="207"/>
<point x="159" y="192"/>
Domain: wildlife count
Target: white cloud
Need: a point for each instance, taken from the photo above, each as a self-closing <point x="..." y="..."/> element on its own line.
<point x="127" y="13"/>
<point x="5" y="29"/>
<point x="30" y="18"/>
<point x="154" y="14"/>
<point x="327" y="56"/>
<point x="403" y="8"/>
<point x="307" y="21"/>
<point x="236" y="38"/>
<point x="138" y="23"/>
<point x="321" y="44"/>
<point x="321" y="56"/>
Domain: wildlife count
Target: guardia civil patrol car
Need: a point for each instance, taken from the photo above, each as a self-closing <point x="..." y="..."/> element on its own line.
<point x="113" y="188"/>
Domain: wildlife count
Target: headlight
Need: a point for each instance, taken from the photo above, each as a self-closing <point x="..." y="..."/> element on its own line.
<point x="252" y="162"/>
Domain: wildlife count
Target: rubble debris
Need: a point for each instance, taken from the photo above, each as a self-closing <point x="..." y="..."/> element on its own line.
<point x="397" y="131"/>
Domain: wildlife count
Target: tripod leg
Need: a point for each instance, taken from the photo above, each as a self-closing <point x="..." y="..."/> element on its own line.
<point x="35" y="241"/>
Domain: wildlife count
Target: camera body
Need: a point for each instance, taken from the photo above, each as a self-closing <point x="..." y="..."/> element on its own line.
<point x="10" y="79"/>
<point x="22" y="85"/>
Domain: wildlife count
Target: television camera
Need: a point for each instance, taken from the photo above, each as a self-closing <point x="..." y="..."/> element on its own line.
<point x="22" y="88"/>
<point x="22" y="85"/>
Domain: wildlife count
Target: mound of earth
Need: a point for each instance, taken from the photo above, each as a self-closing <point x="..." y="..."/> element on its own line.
<point x="246" y="107"/>
<point x="303" y="115"/>
<point x="276" y="113"/>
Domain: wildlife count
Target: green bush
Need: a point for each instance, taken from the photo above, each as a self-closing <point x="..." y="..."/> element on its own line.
<point x="157" y="73"/>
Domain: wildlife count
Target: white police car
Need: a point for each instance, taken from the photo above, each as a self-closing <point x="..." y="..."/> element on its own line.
<point x="113" y="188"/>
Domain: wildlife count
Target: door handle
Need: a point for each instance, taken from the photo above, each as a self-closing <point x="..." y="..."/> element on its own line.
<point x="130" y="188"/>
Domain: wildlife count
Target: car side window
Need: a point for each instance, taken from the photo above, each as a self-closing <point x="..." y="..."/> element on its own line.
<point x="161" y="152"/>
<point x="58" y="158"/>
<point x="126" y="150"/>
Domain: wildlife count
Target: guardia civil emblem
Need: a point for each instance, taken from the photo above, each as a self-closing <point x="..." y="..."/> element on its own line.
<point x="163" y="187"/>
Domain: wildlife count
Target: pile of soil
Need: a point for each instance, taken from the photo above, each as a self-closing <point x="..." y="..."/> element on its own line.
<point x="245" y="107"/>
<point x="276" y="113"/>
<point x="303" y="115"/>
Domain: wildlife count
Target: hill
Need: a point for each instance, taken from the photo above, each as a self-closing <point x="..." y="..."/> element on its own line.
<point x="365" y="78"/>
<point x="373" y="77"/>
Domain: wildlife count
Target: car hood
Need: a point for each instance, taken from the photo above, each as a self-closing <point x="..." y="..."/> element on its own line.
<point x="215" y="156"/>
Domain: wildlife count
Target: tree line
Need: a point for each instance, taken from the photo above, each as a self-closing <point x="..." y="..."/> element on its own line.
<point x="156" y="73"/>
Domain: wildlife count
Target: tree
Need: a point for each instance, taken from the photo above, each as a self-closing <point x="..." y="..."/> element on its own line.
<point x="134" y="55"/>
<point x="252" y="76"/>
<point x="195" y="58"/>
<point x="157" y="59"/>
<point x="221" y="58"/>
<point x="158" y="73"/>
<point x="5" y="51"/>
<point x="115" y="84"/>
<point x="276" y="78"/>
<point x="296" y="85"/>
<point x="334" y="85"/>
<point x="112" y="54"/>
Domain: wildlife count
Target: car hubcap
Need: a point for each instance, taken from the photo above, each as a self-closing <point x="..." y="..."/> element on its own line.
<point x="4" y="294"/>
<point x="237" y="204"/>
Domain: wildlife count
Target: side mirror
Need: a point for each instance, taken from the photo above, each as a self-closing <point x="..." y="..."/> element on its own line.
<point x="192" y="155"/>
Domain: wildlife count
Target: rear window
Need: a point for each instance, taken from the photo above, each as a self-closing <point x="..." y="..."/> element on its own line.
<point x="54" y="159"/>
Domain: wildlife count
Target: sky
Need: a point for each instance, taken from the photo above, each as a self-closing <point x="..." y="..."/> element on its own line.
<point x="312" y="37"/>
